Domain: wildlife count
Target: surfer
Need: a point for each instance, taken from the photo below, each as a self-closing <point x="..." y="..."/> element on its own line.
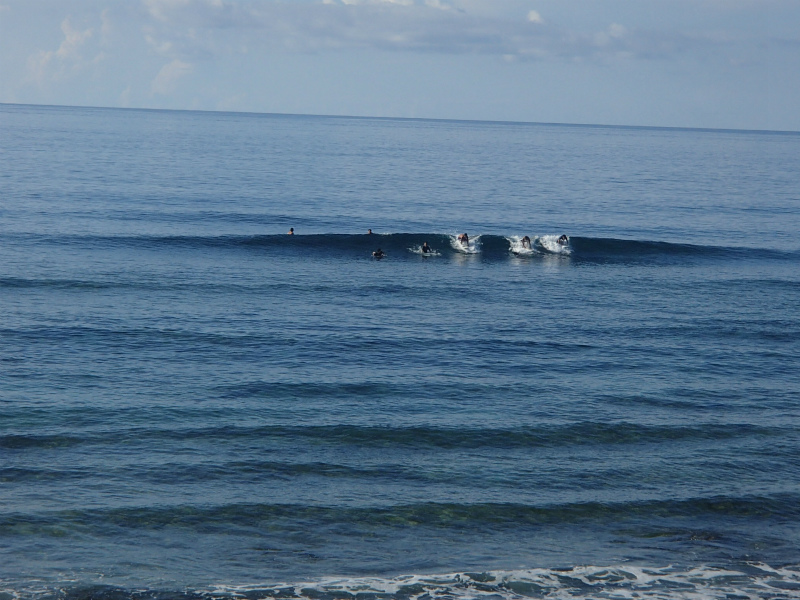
<point x="563" y="240"/>
<point x="291" y="231"/>
<point x="526" y="242"/>
<point x="464" y="239"/>
<point x="425" y="248"/>
<point x="369" y="231"/>
<point x="378" y="253"/>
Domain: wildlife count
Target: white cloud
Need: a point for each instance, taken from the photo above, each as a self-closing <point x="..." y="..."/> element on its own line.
<point x="398" y="2"/>
<point x="437" y="4"/>
<point x="616" y="30"/>
<point x="535" y="17"/>
<point x="73" y="40"/>
<point x="106" y="28"/>
<point x="196" y="30"/>
<point x="160" y="47"/>
<point x="164" y="82"/>
<point x="49" y="64"/>
<point x="159" y="9"/>
<point x="125" y="97"/>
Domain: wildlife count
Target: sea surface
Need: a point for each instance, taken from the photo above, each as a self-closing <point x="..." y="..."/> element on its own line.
<point x="196" y="405"/>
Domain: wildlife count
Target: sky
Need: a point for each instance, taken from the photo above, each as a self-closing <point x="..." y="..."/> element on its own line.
<point x="731" y="64"/>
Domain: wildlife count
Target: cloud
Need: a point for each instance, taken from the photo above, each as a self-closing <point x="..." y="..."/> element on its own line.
<point x="159" y="9"/>
<point x="194" y="30"/>
<point x="357" y="2"/>
<point x="438" y="4"/>
<point x="164" y="82"/>
<point x="535" y="17"/>
<point x="54" y="64"/>
<point x="391" y="25"/>
<point x="106" y="27"/>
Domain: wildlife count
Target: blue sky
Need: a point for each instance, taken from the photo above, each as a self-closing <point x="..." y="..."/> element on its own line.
<point x="698" y="63"/>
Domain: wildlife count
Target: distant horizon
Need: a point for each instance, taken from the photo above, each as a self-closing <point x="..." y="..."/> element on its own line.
<point x="674" y="64"/>
<point x="430" y="119"/>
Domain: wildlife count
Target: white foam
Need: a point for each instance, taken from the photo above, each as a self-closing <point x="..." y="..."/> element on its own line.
<point x="474" y="246"/>
<point x="624" y="582"/>
<point x="550" y="244"/>
<point x="516" y="247"/>
<point x="418" y="250"/>
<point x="752" y="581"/>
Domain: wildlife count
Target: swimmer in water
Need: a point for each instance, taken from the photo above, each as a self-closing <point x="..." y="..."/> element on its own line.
<point x="526" y="242"/>
<point x="369" y="231"/>
<point x="425" y="248"/>
<point x="464" y="239"/>
<point x="378" y="253"/>
<point x="563" y="240"/>
<point x="291" y="231"/>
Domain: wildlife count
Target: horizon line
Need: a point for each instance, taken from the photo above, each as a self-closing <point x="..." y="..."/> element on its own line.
<point x="428" y="119"/>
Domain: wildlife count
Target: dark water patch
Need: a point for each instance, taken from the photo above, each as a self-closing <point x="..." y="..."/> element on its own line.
<point x="251" y="519"/>
<point x="291" y="390"/>
<point x="43" y="441"/>
<point x="56" y="284"/>
<point x="30" y="475"/>
<point x="140" y="338"/>
<point x="693" y="401"/>
<point x="132" y="284"/>
<point x="580" y="434"/>
<point x="258" y="470"/>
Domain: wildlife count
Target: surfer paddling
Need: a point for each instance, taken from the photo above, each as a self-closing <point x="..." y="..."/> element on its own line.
<point x="425" y="248"/>
<point x="378" y="254"/>
<point x="563" y="240"/>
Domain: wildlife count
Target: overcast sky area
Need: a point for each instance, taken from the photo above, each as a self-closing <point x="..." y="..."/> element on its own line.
<point x="675" y="63"/>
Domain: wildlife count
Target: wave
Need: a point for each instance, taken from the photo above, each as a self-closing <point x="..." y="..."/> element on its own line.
<point x="750" y="580"/>
<point x="747" y="580"/>
<point x="580" y="434"/>
<point x="654" y="514"/>
<point x="407" y="246"/>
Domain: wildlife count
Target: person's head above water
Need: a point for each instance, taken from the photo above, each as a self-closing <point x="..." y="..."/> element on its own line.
<point x="291" y="231"/>
<point x="369" y="231"/>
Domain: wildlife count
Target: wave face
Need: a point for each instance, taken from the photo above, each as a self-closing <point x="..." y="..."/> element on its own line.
<point x="408" y="246"/>
<point x="195" y="405"/>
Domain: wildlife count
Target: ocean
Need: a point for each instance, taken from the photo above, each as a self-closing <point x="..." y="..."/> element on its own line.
<point x="196" y="405"/>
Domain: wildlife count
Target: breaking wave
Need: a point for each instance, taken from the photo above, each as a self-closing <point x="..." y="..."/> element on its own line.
<point x="750" y="581"/>
<point x="408" y="246"/>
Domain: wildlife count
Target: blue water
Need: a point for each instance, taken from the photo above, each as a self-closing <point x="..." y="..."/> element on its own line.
<point x="194" y="404"/>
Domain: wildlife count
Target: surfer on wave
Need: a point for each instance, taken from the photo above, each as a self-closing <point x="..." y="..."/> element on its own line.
<point x="464" y="239"/>
<point x="563" y="240"/>
<point x="526" y="242"/>
<point x="425" y="248"/>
